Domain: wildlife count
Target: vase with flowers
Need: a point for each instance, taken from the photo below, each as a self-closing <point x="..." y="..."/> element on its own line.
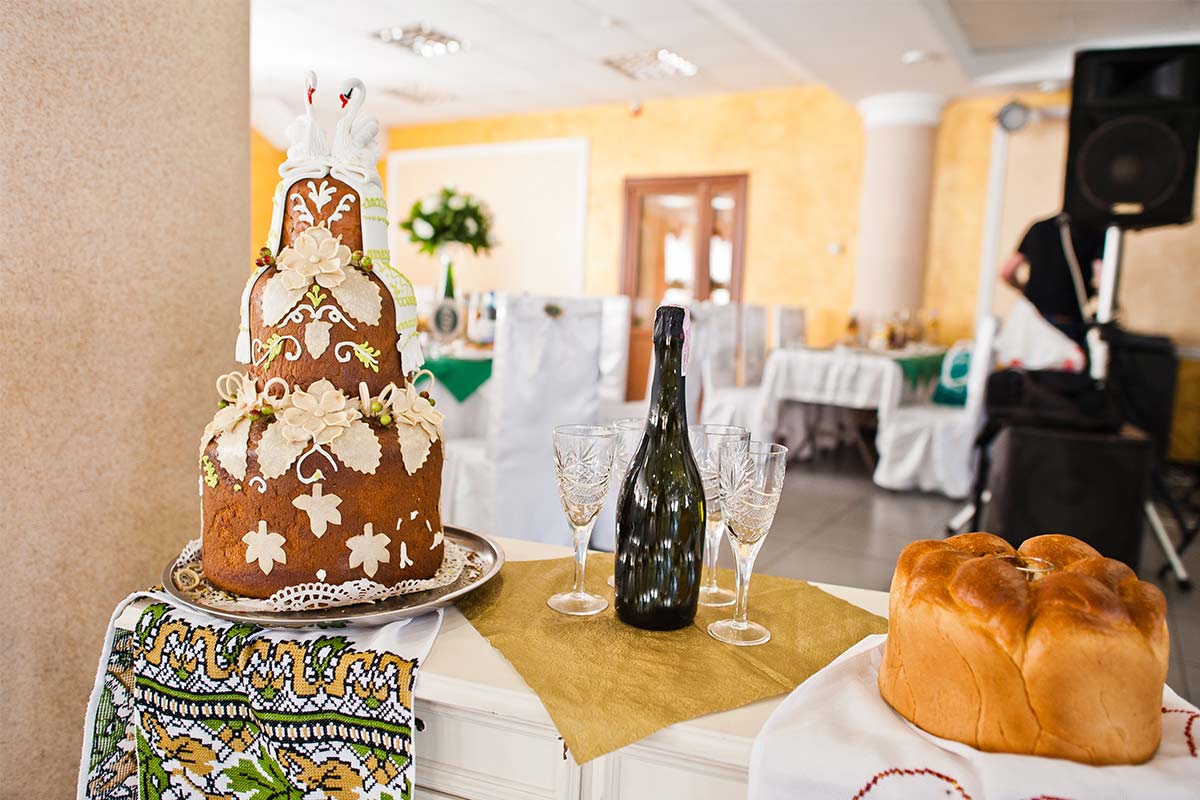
<point x="445" y="218"/>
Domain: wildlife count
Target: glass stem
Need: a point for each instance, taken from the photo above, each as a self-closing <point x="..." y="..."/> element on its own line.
<point x="712" y="552"/>
<point x="745" y="554"/>
<point x="582" y="535"/>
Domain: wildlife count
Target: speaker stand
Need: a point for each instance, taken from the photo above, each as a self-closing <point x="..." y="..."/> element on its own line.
<point x="1106" y="307"/>
<point x="1160" y="533"/>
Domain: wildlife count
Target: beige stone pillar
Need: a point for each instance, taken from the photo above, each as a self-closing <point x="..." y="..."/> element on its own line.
<point x="123" y="194"/>
<point x="893" y="220"/>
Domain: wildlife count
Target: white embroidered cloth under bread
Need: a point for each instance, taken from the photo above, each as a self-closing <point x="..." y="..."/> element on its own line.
<point x="834" y="736"/>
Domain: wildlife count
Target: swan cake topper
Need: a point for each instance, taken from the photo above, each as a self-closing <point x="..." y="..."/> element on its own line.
<point x="352" y="159"/>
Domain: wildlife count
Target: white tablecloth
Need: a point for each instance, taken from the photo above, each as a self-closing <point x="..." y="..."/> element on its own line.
<point x="827" y="383"/>
<point x="834" y="736"/>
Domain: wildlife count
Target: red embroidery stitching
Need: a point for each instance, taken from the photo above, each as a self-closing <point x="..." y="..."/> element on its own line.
<point x="1187" y="727"/>
<point x="900" y="771"/>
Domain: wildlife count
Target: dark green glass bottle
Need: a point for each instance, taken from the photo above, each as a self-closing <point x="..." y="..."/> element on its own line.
<point x="660" y="510"/>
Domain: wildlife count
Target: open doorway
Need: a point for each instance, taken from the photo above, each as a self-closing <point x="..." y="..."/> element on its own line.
<point x="684" y="242"/>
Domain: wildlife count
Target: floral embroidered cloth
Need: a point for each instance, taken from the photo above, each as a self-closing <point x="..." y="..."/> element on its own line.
<point x="834" y="736"/>
<point x="191" y="706"/>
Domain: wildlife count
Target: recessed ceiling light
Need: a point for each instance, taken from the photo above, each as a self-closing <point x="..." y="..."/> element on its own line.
<point x="661" y="63"/>
<point x="911" y="57"/>
<point x="422" y="40"/>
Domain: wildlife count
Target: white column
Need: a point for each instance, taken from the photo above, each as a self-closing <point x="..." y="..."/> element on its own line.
<point x="893" y="224"/>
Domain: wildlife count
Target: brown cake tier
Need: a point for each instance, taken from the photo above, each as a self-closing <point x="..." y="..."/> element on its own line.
<point x="318" y="339"/>
<point x="305" y="369"/>
<point x="402" y="507"/>
<point x="1070" y="665"/>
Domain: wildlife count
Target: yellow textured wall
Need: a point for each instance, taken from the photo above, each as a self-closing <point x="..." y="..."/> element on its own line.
<point x="802" y="148"/>
<point x="264" y="175"/>
<point x="123" y="175"/>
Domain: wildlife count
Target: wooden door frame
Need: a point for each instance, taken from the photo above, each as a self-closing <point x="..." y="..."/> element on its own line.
<point x="706" y="186"/>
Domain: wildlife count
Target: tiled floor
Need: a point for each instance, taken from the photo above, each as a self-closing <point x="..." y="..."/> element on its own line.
<point x="835" y="526"/>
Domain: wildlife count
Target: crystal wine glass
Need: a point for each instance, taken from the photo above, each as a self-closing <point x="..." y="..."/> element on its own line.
<point x="751" y="481"/>
<point x="583" y="459"/>
<point x="630" y="431"/>
<point x="706" y="441"/>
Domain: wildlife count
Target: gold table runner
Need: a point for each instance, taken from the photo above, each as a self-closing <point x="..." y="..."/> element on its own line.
<point x="606" y="684"/>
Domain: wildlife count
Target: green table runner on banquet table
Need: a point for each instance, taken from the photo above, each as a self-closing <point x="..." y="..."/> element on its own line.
<point x="461" y="376"/>
<point x="606" y="684"/>
<point x="188" y="705"/>
<point x="923" y="369"/>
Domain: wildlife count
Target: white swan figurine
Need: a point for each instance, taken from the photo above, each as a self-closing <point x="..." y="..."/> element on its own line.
<point x="308" y="152"/>
<point x="354" y="147"/>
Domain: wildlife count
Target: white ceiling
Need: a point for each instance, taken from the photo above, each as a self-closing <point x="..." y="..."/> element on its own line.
<point x="527" y="55"/>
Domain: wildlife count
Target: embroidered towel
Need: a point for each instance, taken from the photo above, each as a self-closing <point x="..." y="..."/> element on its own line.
<point x="188" y="705"/>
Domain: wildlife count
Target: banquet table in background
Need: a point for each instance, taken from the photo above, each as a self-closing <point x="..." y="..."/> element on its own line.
<point x="830" y="384"/>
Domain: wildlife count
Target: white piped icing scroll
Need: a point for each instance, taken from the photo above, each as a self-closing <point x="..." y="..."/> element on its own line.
<point x="354" y="160"/>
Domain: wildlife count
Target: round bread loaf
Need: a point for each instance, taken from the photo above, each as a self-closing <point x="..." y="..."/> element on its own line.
<point x="1068" y="666"/>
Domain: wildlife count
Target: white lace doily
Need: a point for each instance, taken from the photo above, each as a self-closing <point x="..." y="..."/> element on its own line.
<point x="189" y="578"/>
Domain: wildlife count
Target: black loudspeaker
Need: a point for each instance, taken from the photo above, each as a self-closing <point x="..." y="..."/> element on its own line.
<point x="1092" y="486"/>
<point x="1135" y="120"/>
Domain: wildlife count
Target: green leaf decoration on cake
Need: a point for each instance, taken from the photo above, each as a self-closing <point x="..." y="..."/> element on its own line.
<point x="263" y="779"/>
<point x="368" y="355"/>
<point x="274" y="347"/>
<point x="315" y="296"/>
<point x="210" y="472"/>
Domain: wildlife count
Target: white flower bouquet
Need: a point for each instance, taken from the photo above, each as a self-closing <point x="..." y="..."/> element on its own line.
<point x="449" y="216"/>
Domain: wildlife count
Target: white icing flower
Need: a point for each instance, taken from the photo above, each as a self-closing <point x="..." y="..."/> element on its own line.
<point x="368" y="550"/>
<point x="457" y="202"/>
<point x="316" y="254"/>
<point x="264" y="547"/>
<point x="409" y="407"/>
<point x="422" y="228"/>
<point x="320" y="414"/>
<point x="430" y="203"/>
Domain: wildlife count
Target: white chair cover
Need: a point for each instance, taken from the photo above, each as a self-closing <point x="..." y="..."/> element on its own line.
<point x="614" y="348"/>
<point x="931" y="447"/>
<point x="790" y="327"/>
<point x="1027" y="340"/>
<point x="754" y="344"/>
<point x="546" y="373"/>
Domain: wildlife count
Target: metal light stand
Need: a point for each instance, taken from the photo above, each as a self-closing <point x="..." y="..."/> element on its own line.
<point x="1114" y="247"/>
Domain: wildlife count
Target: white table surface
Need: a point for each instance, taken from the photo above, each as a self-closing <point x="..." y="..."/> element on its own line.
<point x="465" y="669"/>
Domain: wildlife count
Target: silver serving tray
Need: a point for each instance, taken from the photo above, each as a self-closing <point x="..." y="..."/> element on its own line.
<point x="370" y="614"/>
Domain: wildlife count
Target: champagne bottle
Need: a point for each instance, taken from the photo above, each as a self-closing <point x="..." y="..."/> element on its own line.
<point x="660" y="509"/>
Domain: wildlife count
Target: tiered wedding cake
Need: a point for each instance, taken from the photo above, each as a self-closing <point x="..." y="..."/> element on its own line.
<point x="324" y="462"/>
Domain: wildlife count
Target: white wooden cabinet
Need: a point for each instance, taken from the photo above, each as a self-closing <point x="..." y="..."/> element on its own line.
<point x="484" y="735"/>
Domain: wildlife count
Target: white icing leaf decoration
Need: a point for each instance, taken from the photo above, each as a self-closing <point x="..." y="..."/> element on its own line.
<point x="368" y="550"/>
<point x="264" y="547"/>
<point x="275" y="453"/>
<point x="358" y="296"/>
<point x="231" y="449"/>
<point x="322" y="509"/>
<point x="414" y="445"/>
<point x="277" y="299"/>
<point x="316" y="337"/>
<point x="358" y="448"/>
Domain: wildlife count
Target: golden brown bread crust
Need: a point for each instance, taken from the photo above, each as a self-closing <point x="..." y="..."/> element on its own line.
<point x="382" y="336"/>
<point x="385" y="499"/>
<point x="1069" y="666"/>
